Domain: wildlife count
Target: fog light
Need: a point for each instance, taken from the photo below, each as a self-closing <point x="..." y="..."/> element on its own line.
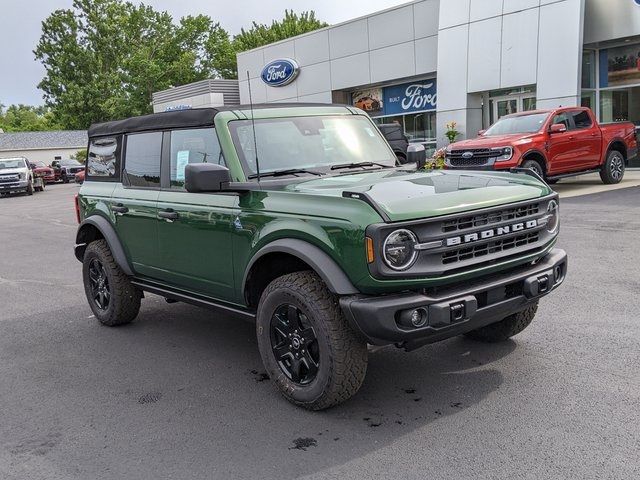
<point x="557" y="273"/>
<point x="414" y="318"/>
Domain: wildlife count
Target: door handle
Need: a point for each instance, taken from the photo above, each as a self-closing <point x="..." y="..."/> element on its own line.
<point x="572" y="137"/>
<point x="168" y="214"/>
<point x="592" y="134"/>
<point x="119" y="209"/>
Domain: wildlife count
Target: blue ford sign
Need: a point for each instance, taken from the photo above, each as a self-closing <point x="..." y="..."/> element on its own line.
<point x="418" y="96"/>
<point x="280" y="72"/>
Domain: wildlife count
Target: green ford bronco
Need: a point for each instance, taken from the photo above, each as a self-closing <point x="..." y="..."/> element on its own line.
<point x="298" y="217"/>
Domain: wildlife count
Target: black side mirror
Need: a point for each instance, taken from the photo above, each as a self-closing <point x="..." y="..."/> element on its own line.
<point x="206" y="177"/>
<point x="417" y="154"/>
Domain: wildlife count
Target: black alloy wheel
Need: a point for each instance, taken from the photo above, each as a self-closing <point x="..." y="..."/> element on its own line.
<point x="294" y="344"/>
<point x="99" y="283"/>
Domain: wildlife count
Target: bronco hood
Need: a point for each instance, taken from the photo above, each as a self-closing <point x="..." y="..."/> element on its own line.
<point x="409" y="194"/>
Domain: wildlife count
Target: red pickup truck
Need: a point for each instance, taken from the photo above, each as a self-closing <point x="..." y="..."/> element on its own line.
<point x="554" y="143"/>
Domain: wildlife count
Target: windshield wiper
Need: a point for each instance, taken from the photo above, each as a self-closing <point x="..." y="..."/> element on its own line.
<point x="359" y="164"/>
<point x="280" y="173"/>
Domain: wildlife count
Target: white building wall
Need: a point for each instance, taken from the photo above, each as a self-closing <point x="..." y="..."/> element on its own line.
<point x="610" y="19"/>
<point x="490" y="45"/>
<point x="397" y="43"/>
<point x="43" y="155"/>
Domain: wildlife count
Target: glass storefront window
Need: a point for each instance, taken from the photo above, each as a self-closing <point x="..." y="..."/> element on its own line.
<point x="620" y="105"/>
<point x="418" y="127"/>
<point x="588" y="100"/>
<point x="588" y="69"/>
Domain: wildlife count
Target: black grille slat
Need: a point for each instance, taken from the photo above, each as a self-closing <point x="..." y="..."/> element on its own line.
<point x="480" y="157"/>
<point x="476" y="221"/>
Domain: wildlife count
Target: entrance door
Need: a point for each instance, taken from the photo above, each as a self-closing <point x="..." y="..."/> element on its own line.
<point x="513" y="104"/>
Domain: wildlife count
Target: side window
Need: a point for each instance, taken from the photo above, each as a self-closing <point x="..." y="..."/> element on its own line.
<point x="142" y="160"/>
<point x="562" y="118"/>
<point x="192" y="146"/>
<point x="103" y="159"/>
<point x="581" y="119"/>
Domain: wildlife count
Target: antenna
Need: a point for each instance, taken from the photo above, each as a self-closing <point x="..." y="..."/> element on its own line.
<point x="253" y="126"/>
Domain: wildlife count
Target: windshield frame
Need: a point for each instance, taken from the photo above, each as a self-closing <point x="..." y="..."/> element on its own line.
<point x="545" y="115"/>
<point x="324" y="170"/>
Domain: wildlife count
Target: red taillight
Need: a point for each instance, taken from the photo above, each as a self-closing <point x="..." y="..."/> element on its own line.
<point x="77" y="202"/>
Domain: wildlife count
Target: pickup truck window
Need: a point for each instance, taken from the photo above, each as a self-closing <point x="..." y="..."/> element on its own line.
<point x="562" y="118"/>
<point x="192" y="146"/>
<point x="12" y="163"/>
<point x="581" y="119"/>
<point x="142" y="160"/>
<point x="518" y="124"/>
<point x="314" y="143"/>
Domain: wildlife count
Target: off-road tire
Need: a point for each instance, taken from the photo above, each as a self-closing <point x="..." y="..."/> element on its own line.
<point x="29" y="190"/>
<point x="612" y="170"/>
<point x="124" y="303"/>
<point x="342" y="353"/>
<point x="534" y="165"/>
<point x="506" y="328"/>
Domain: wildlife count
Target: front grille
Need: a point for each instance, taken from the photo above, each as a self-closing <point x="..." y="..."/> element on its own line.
<point x="496" y="246"/>
<point x="9" y="178"/>
<point x="480" y="157"/>
<point x="468" y="222"/>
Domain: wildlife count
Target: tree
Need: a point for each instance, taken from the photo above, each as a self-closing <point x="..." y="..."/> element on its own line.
<point x="104" y="58"/>
<point x="259" y="34"/>
<point x="80" y="155"/>
<point x="26" y="118"/>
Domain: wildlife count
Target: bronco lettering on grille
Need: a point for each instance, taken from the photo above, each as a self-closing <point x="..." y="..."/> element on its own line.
<point x="493" y="232"/>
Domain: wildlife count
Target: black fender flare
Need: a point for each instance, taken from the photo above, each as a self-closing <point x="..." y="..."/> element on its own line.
<point x="332" y="275"/>
<point x="109" y="233"/>
<point x="610" y="147"/>
<point x="535" y="151"/>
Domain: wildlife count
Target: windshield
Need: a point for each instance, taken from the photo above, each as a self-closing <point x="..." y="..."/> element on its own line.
<point x="518" y="124"/>
<point x="7" y="163"/>
<point x="38" y="164"/>
<point x="70" y="163"/>
<point x="314" y="143"/>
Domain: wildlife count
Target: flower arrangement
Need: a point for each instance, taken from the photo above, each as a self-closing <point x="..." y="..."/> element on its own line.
<point x="437" y="159"/>
<point x="451" y="132"/>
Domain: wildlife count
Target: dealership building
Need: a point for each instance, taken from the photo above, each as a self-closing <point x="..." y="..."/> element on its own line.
<point x="427" y="63"/>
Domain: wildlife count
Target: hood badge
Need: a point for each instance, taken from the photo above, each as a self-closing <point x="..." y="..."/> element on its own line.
<point x="467" y="155"/>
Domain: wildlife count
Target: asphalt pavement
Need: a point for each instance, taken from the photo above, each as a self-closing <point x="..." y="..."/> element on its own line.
<point x="181" y="392"/>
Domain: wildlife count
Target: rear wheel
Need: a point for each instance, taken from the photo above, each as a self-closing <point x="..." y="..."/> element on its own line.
<point x="308" y="349"/>
<point x="506" y="328"/>
<point x="112" y="297"/>
<point x="612" y="170"/>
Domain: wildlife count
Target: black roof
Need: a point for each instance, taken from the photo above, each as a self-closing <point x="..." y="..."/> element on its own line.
<point x="197" y="117"/>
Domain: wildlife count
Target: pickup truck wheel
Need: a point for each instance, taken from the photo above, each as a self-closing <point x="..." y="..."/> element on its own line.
<point x="112" y="297"/>
<point x="29" y="190"/>
<point x="506" y="328"/>
<point x="612" y="170"/>
<point x="308" y="349"/>
<point x="535" y="166"/>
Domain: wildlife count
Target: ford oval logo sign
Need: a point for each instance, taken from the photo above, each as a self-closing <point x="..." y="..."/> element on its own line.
<point x="280" y="72"/>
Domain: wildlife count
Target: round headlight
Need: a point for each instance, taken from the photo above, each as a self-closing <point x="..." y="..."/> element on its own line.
<point x="553" y="217"/>
<point x="399" y="250"/>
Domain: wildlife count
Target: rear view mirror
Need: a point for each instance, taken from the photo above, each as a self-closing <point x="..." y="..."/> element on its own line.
<point x="557" y="128"/>
<point x="416" y="154"/>
<point x="206" y="177"/>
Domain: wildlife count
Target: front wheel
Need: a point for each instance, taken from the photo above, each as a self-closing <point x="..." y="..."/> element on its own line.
<point x="112" y="297"/>
<point x="506" y="328"/>
<point x="535" y="166"/>
<point x="307" y="347"/>
<point x="612" y="170"/>
<point x="29" y="189"/>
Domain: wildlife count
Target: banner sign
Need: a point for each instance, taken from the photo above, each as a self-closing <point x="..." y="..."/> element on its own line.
<point x="411" y="97"/>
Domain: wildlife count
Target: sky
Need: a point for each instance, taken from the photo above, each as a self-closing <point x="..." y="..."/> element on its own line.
<point x="20" y="28"/>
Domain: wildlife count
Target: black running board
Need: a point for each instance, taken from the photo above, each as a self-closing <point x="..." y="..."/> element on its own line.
<point x="198" y="300"/>
<point x="573" y="174"/>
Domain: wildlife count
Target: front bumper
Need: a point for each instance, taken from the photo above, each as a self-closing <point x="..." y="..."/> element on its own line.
<point x="454" y="310"/>
<point x="14" y="186"/>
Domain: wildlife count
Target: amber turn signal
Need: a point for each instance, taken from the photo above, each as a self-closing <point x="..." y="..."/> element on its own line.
<point x="369" y="244"/>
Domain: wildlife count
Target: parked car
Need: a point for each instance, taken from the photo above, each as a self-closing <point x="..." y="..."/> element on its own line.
<point x="316" y="235"/>
<point x="394" y="134"/>
<point x="79" y="177"/>
<point x="554" y="143"/>
<point x="16" y="175"/>
<point x="41" y="169"/>
<point x="65" y="170"/>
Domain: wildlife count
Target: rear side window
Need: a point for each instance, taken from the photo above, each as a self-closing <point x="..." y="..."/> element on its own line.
<point x="581" y="119"/>
<point x="142" y="160"/>
<point x="103" y="159"/>
<point x="192" y="146"/>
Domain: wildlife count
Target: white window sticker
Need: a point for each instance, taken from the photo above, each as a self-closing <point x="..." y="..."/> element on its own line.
<point x="182" y="160"/>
